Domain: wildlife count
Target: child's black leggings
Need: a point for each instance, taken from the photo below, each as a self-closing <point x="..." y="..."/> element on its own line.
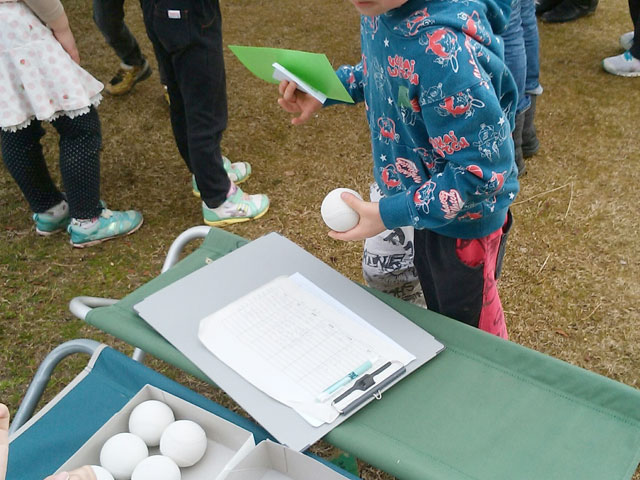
<point x="80" y="142"/>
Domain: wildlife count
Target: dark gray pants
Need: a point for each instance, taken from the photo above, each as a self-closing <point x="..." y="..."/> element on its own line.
<point x="109" y="17"/>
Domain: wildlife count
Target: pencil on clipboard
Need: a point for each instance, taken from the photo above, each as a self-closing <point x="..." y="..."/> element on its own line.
<point x="368" y="386"/>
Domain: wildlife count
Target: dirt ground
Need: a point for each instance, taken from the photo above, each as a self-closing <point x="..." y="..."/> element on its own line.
<point x="570" y="284"/>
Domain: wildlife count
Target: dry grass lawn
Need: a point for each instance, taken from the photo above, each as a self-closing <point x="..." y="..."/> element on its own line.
<point x="570" y="285"/>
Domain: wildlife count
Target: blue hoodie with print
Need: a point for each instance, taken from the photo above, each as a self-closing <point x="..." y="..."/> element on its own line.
<point x="440" y="103"/>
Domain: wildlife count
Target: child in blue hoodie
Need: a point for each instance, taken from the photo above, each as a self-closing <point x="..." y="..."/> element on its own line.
<point x="440" y="105"/>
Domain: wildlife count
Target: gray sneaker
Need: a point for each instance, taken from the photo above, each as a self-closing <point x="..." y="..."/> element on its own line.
<point x="624" y="65"/>
<point x="626" y="40"/>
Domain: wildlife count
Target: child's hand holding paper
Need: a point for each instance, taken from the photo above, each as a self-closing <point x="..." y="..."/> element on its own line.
<point x="294" y="101"/>
<point x="305" y="71"/>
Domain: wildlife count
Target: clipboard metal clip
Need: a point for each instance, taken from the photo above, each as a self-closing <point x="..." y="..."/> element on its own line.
<point x="368" y="387"/>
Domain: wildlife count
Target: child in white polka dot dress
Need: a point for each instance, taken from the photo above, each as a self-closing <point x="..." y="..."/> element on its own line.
<point x="41" y="80"/>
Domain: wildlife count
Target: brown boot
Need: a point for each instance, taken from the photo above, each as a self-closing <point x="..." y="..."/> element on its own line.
<point x="126" y="77"/>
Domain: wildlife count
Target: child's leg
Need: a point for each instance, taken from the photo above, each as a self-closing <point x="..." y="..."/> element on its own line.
<point x="387" y="261"/>
<point x="515" y="58"/>
<point x="196" y="84"/>
<point x="530" y="143"/>
<point x="22" y="155"/>
<point x="458" y="277"/>
<point x="80" y="141"/>
<point x="91" y="223"/>
<point x="109" y="18"/>
<point x="177" y="113"/>
<point x="387" y="265"/>
<point x="634" y="11"/>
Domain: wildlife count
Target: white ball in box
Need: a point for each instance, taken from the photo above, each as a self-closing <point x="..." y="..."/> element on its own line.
<point x="185" y="442"/>
<point x="149" y="419"/>
<point x="227" y="443"/>
<point x="156" y="467"/>
<point x="121" y="453"/>
<point x="101" y="473"/>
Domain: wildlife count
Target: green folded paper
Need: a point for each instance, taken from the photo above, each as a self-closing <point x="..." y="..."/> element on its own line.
<point x="312" y="68"/>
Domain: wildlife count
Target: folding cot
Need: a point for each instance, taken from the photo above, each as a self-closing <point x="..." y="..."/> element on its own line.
<point x="40" y="444"/>
<point x="484" y="409"/>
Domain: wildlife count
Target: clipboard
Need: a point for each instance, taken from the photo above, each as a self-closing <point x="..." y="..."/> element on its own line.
<point x="176" y="311"/>
<point x="300" y="346"/>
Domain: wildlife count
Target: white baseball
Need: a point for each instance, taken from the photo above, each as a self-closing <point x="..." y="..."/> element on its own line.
<point x="339" y="216"/>
<point x="121" y="453"/>
<point x="156" y="467"/>
<point x="101" y="473"/>
<point x="149" y="419"/>
<point x="184" y="441"/>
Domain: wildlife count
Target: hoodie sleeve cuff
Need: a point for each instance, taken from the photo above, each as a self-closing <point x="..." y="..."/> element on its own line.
<point x="395" y="212"/>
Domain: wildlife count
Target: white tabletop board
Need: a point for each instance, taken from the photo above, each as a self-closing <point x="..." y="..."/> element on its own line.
<point x="176" y="311"/>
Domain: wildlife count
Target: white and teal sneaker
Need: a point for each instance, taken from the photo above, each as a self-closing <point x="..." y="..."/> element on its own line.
<point x="238" y="207"/>
<point x="110" y="224"/>
<point x="238" y="172"/>
<point x="53" y="220"/>
<point x="624" y="65"/>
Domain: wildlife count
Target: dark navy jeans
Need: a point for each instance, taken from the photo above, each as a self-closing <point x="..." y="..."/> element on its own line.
<point x="109" y="17"/>
<point x="187" y="40"/>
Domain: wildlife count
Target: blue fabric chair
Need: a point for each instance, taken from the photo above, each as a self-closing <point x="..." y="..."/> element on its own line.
<point x="44" y="442"/>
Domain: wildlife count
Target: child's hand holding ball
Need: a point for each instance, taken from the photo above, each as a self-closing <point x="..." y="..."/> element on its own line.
<point x="352" y="218"/>
<point x="339" y="216"/>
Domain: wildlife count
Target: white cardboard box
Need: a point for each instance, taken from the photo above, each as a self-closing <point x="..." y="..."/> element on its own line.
<point x="227" y="442"/>
<point x="273" y="461"/>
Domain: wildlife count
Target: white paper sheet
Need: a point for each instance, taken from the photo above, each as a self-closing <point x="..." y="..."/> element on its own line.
<point x="281" y="73"/>
<point x="292" y="341"/>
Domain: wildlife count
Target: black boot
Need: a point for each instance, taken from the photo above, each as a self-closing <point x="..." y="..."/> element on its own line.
<point x="545" y="5"/>
<point x="530" y="143"/>
<point x="517" y="142"/>
<point x="569" y="10"/>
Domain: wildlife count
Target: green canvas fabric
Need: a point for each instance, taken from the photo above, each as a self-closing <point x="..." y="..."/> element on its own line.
<point x="121" y="321"/>
<point x="490" y="409"/>
<point x="484" y="409"/>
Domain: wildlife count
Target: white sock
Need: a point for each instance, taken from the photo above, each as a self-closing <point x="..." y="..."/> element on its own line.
<point x="85" y="223"/>
<point x="59" y="210"/>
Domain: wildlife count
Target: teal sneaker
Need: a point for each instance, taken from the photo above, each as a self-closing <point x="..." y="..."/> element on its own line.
<point x="238" y="172"/>
<point x="53" y="220"/>
<point x="110" y="224"/>
<point x="239" y="207"/>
